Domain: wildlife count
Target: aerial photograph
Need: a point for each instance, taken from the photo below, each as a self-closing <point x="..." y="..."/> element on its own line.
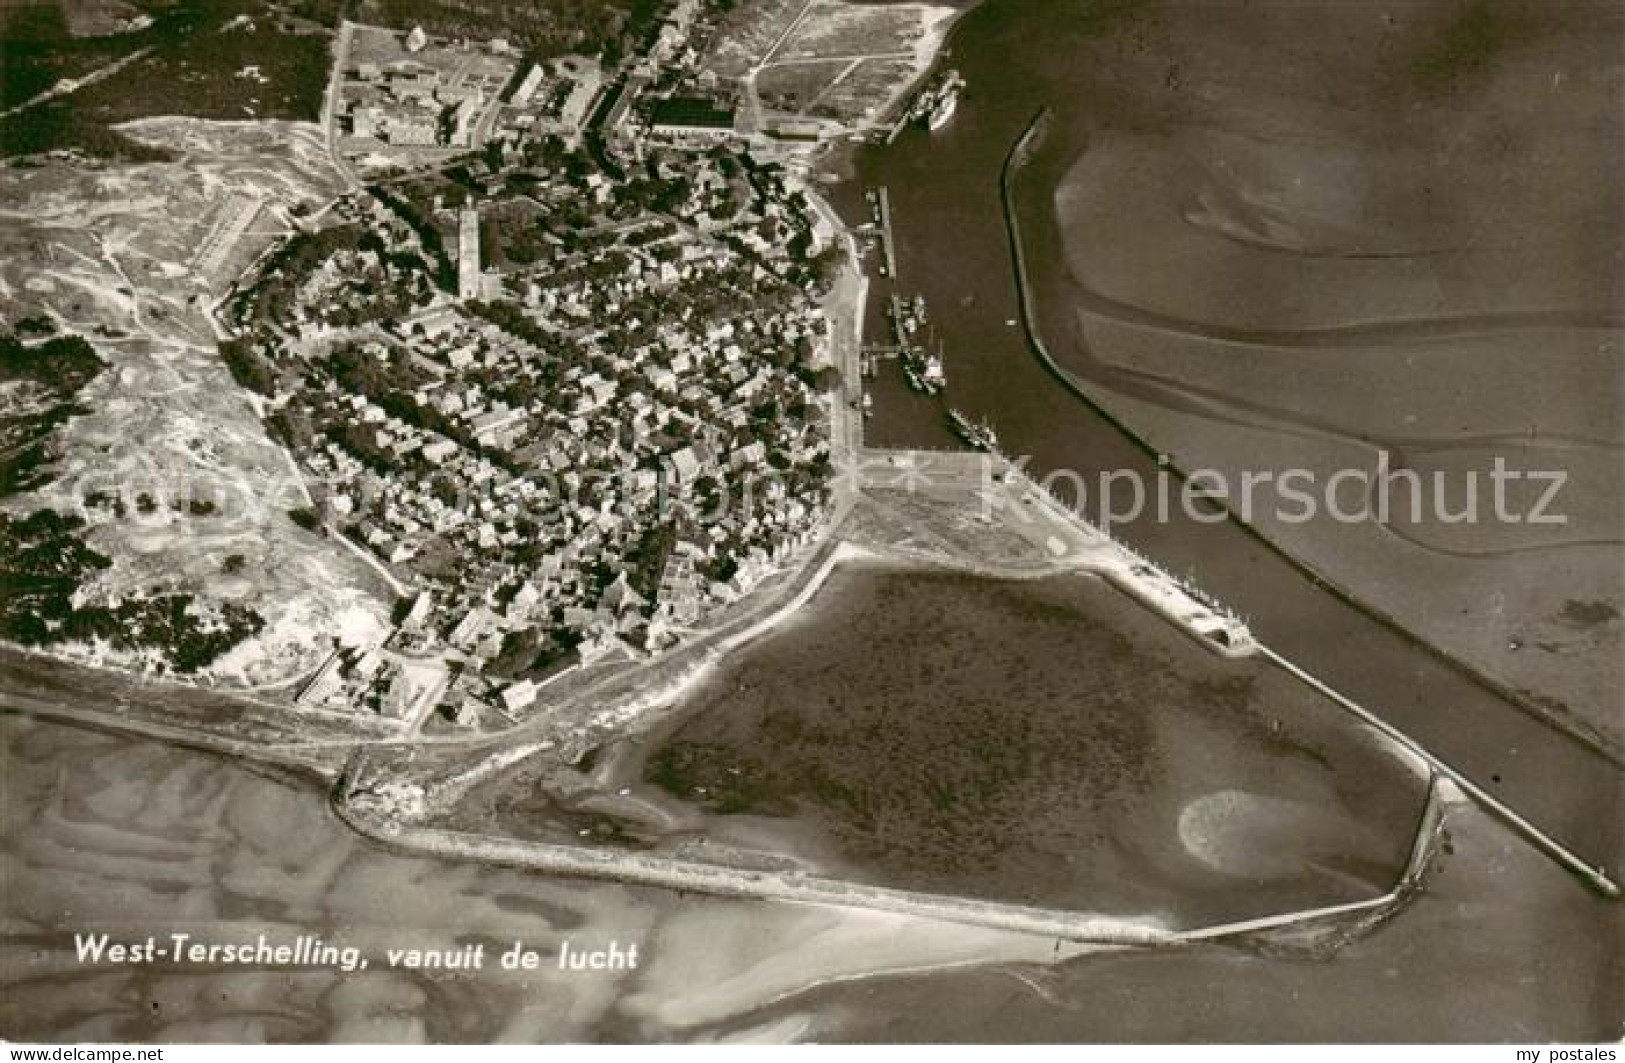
<point x="877" y="522"/>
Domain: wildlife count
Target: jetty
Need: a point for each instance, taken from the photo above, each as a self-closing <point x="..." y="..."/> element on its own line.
<point x="887" y="244"/>
<point x="901" y="124"/>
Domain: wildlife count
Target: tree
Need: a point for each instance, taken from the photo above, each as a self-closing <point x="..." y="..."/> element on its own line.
<point x="306" y="518"/>
<point x="292" y="425"/>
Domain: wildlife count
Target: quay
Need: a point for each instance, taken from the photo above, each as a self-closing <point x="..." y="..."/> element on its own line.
<point x="887" y="244"/>
<point x="898" y="126"/>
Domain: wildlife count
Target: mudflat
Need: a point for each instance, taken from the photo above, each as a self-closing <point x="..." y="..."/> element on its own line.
<point x="1046" y="742"/>
<point x="1328" y="237"/>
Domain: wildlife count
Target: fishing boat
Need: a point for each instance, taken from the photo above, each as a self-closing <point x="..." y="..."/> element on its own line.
<point x="904" y="321"/>
<point x="913" y="375"/>
<point x="922" y="367"/>
<point x="978" y="434"/>
<point x="933" y="375"/>
<point x="935" y="106"/>
<point x="922" y="370"/>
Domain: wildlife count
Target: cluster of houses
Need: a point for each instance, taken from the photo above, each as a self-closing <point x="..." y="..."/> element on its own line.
<point x="357" y="284"/>
<point x="554" y="97"/>
<point x="415" y="93"/>
<point x="411" y="92"/>
<point x="587" y="447"/>
<point x="403" y="95"/>
<point x="399" y="687"/>
<point x="675" y="97"/>
<point x="573" y="458"/>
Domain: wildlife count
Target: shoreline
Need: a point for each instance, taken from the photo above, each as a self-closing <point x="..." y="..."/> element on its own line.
<point x="76" y="655"/>
<point x="711" y="646"/>
<point x="1080" y="927"/>
<point x="928" y="51"/>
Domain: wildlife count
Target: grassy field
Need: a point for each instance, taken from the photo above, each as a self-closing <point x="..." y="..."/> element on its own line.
<point x="748" y="33"/>
<point x="794" y="87"/>
<point x="837" y="29"/>
<point x="41" y="48"/>
<point x="862" y="92"/>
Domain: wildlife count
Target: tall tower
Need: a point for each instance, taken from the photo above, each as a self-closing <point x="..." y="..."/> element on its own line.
<point x="468" y="253"/>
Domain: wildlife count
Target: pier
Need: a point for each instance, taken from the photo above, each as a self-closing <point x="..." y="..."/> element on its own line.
<point x="1593" y="875"/>
<point x="666" y="871"/>
<point x="901" y="124"/>
<point x="887" y="244"/>
<point x="873" y="355"/>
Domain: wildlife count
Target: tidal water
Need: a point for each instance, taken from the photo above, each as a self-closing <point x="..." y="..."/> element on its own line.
<point x="1019" y="56"/>
<point x="103" y="834"/>
<point x="109" y="835"/>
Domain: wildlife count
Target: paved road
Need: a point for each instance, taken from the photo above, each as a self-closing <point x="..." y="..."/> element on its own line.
<point x="68" y="86"/>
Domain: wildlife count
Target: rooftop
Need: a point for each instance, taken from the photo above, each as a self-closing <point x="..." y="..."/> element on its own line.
<point x="691" y="113"/>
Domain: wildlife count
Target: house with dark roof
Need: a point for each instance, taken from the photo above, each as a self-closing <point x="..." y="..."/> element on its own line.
<point x="690" y="119"/>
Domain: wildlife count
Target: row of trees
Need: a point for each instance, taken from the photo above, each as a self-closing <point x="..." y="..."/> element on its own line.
<point x="249" y="367"/>
<point x="443" y="270"/>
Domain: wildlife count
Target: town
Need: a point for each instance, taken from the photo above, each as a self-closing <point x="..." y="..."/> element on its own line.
<point x="559" y="369"/>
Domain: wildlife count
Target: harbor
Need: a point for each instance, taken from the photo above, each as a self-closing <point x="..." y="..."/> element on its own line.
<point x="956" y="244"/>
<point x="906" y="337"/>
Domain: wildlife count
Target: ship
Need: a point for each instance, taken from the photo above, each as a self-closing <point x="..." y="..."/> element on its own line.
<point x="904" y="321"/>
<point x="922" y="370"/>
<point x="978" y="434"/>
<point x="934" y="107"/>
<point x="938" y="103"/>
<point x="912" y="374"/>
<point x="931" y="370"/>
<point x="943" y="112"/>
<point x="935" y="379"/>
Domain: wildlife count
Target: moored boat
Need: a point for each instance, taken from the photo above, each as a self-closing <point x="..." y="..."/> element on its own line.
<point x="978" y="434"/>
<point x="933" y="375"/>
<point x="935" y="106"/>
